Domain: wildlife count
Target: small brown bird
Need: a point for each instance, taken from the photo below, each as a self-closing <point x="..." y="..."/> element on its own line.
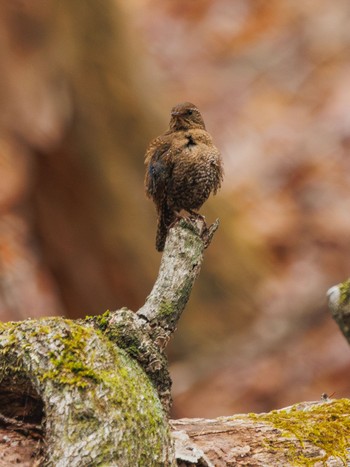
<point x="182" y="168"/>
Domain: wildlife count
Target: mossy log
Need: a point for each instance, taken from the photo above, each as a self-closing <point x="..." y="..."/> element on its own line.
<point x="308" y="434"/>
<point x="97" y="391"/>
<point x="95" y="402"/>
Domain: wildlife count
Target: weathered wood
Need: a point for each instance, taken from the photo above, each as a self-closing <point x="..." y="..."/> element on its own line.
<point x="180" y="266"/>
<point x="98" y="390"/>
<point x="308" y="434"/>
<point x="339" y="304"/>
<point x="97" y="404"/>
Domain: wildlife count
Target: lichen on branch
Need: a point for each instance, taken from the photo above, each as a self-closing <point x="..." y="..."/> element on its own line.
<point x="100" y="387"/>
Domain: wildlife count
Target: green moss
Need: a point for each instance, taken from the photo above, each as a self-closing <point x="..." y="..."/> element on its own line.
<point x="111" y="388"/>
<point x="8" y="338"/>
<point x="123" y="335"/>
<point x="326" y="426"/>
<point x="102" y="321"/>
<point x="166" y="308"/>
<point x="68" y="361"/>
<point x="142" y="414"/>
<point x="3" y="326"/>
<point x="133" y="350"/>
<point x="344" y="292"/>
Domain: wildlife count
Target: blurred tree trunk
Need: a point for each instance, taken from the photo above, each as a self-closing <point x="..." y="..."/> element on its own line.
<point x="73" y="129"/>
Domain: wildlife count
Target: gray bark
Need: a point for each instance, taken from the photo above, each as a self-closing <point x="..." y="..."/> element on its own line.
<point x="99" y="388"/>
<point x="98" y="406"/>
<point x="97" y="391"/>
<point x="307" y="434"/>
<point x="339" y="304"/>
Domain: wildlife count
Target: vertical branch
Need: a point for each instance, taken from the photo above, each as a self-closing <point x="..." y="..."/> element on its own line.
<point x="145" y="334"/>
<point x="180" y="266"/>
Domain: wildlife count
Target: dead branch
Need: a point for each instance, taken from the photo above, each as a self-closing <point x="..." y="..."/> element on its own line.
<point x="93" y="388"/>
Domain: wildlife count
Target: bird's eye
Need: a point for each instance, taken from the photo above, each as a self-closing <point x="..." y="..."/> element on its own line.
<point x="190" y="111"/>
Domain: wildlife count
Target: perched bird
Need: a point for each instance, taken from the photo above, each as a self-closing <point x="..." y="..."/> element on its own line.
<point x="182" y="168"/>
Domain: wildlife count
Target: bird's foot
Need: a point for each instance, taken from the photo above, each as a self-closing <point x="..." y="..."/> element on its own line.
<point x="191" y="218"/>
<point x="194" y="216"/>
<point x="208" y="233"/>
<point x="196" y="223"/>
<point x="177" y="219"/>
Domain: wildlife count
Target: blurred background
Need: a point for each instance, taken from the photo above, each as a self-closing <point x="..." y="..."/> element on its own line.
<point x="84" y="87"/>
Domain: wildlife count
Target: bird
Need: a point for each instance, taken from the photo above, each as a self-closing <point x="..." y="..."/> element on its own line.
<point x="183" y="167"/>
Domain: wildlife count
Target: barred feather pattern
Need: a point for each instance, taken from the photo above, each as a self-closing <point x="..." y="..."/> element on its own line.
<point x="183" y="167"/>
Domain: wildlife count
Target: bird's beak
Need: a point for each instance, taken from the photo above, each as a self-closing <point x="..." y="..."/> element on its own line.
<point x="175" y="113"/>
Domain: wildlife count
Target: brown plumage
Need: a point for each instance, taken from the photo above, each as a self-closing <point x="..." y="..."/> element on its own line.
<point x="182" y="168"/>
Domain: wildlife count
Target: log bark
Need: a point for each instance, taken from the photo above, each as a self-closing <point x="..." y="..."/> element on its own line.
<point x="93" y="397"/>
<point x="339" y="304"/>
<point x="308" y="434"/>
<point x="97" y="391"/>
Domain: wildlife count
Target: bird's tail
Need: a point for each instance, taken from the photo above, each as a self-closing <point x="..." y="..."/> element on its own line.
<point x="165" y="219"/>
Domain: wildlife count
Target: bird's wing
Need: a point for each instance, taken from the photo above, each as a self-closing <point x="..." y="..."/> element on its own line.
<point x="216" y="161"/>
<point x="158" y="168"/>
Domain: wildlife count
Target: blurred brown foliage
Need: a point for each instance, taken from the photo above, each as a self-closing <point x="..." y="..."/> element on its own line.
<point x="85" y="86"/>
<point x="272" y="80"/>
<point x="72" y="117"/>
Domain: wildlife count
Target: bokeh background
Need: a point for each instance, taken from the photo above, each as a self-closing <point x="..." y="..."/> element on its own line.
<point x="84" y="87"/>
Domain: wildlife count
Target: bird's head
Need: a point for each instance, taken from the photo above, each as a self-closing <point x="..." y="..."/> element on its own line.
<point x="186" y="116"/>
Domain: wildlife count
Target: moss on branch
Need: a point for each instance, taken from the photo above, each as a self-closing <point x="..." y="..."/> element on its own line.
<point x="102" y="384"/>
<point x="96" y="398"/>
